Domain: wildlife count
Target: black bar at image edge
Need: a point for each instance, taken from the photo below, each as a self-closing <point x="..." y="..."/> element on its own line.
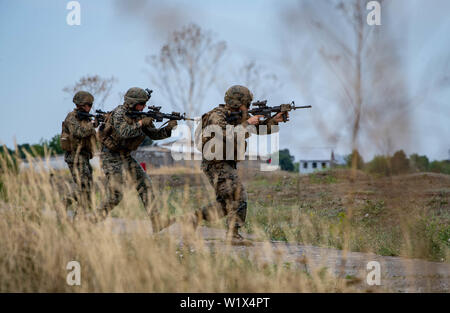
<point x="223" y="302"/>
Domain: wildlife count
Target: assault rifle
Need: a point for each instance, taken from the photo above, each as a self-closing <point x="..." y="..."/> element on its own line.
<point x="261" y="108"/>
<point x="155" y="113"/>
<point x="99" y="117"/>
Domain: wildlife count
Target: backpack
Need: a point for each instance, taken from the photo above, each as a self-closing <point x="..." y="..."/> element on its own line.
<point x="198" y="138"/>
<point x="66" y="139"/>
<point x="69" y="143"/>
<point x="105" y="132"/>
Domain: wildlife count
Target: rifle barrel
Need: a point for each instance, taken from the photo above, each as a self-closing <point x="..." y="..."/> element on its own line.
<point x="303" y="107"/>
<point x="85" y="114"/>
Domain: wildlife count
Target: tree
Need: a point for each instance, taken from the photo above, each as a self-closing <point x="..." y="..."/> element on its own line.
<point x="440" y="167"/>
<point x="399" y="162"/>
<point x="52" y="146"/>
<point x="38" y="149"/>
<point x="286" y="160"/>
<point x="55" y="145"/>
<point x="98" y="86"/>
<point x="260" y="80"/>
<point x="7" y="162"/>
<point x="22" y="149"/>
<point x="4" y="150"/>
<point x="344" y="61"/>
<point x="419" y="162"/>
<point x="355" y="160"/>
<point x="379" y="165"/>
<point x="186" y="67"/>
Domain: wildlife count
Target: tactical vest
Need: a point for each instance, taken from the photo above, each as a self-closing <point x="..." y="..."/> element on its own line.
<point x="110" y="139"/>
<point x="200" y="140"/>
<point x="65" y="139"/>
<point x="73" y="144"/>
<point x="105" y="133"/>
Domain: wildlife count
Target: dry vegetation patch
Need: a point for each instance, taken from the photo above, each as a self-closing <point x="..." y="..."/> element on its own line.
<point x="403" y="216"/>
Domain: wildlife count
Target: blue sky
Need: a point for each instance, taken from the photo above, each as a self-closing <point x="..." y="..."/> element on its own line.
<point x="40" y="54"/>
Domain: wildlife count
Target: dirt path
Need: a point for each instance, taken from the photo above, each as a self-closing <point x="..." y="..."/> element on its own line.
<point x="397" y="274"/>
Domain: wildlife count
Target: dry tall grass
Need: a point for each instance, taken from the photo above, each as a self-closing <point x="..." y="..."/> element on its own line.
<point x="122" y="254"/>
<point x="35" y="248"/>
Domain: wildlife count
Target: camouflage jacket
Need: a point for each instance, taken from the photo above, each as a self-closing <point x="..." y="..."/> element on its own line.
<point x="218" y="116"/>
<point x="78" y="135"/>
<point x="123" y="133"/>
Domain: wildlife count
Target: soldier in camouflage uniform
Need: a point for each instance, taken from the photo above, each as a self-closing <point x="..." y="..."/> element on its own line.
<point x="78" y="140"/>
<point x="121" y="135"/>
<point x="231" y="197"/>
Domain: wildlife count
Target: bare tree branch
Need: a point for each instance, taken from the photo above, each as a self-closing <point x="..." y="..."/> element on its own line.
<point x="185" y="68"/>
<point x="99" y="87"/>
<point x="361" y="67"/>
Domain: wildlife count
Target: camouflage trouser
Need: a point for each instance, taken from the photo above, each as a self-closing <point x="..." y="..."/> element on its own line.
<point x="115" y="165"/>
<point x="230" y="193"/>
<point x="81" y="171"/>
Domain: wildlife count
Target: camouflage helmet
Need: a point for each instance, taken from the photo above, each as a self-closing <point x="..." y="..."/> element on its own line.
<point x="82" y="97"/>
<point x="134" y="96"/>
<point x="238" y="95"/>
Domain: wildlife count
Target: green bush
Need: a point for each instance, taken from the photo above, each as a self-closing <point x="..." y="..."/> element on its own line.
<point x="419" y="162"/>
<point x="55" y="145"/>
<point x="7" y="160"/>
<point x="440" y="167"/>
<point x="399" y="163"/>
<point x="286" y="160"/>
<point x="436" y="233"/>
<point x="354" y="158"/>
<point x="379" y="165"/>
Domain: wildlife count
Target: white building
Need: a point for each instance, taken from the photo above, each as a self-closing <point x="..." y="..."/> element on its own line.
<point x="312" y="160"/>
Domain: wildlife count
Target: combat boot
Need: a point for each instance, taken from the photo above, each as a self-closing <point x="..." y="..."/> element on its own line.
<point x="99" y="216"/>
<point x="159" y="223"/>
<point x="190" y="221"/>
<point x="235" y="238"/>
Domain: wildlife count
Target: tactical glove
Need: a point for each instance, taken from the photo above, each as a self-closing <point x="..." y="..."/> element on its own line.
<point x="172" y="124"/>
<point x="147" y="122"/>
